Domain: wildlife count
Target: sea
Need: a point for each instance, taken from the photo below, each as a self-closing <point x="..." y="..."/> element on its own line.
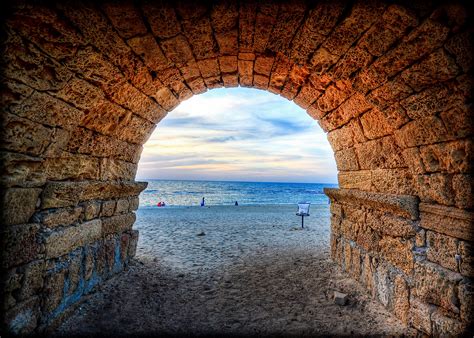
<point x="179" y="193"/>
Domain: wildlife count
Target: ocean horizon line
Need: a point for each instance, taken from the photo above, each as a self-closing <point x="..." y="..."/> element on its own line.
<point x="232" y="181"/>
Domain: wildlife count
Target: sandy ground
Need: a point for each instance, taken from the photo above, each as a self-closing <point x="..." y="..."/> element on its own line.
<point x="252" y="271"/>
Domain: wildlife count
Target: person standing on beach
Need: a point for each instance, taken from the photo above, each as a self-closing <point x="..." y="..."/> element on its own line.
<point x="202" y="202"/>
<point x="236" y="204"/>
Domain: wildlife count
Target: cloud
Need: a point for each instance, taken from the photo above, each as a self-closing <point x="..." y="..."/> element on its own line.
<point x="238" y="134"/>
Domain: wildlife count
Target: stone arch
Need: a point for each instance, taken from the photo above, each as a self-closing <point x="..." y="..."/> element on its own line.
<point x="85" y="85"/>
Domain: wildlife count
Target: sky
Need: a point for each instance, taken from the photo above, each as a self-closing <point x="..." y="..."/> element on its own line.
<point x="238" y="134"/>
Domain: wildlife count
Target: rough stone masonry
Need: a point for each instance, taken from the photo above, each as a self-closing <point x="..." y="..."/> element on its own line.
<point x="84" y="85"/>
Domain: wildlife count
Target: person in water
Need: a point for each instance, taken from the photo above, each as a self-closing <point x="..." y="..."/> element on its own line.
<point x="236" y="204"/>
<point x="202" y="202"/>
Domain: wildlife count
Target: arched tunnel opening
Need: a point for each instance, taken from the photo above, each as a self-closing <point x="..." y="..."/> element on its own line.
<point x="84" y="85"/>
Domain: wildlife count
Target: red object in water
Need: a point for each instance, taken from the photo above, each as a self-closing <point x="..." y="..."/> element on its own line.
<point x="160" y="204"/>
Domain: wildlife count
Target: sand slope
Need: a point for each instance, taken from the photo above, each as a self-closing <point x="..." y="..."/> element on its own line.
<point x="251" y="273"/>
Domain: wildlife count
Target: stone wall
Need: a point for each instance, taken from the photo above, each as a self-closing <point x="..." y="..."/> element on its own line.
<point x="416" y="259"/>
<point x="84" y="85"/>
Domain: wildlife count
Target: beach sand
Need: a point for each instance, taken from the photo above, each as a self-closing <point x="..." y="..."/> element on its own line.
<point x="247" y="270"/>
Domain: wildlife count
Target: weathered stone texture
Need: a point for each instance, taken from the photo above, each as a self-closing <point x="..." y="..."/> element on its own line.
<point x="85" y="85"/>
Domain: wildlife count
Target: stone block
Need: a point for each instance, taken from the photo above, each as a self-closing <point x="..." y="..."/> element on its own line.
<point x="74" y="271"/>
<point x="19" y="244"/>
<point x="466" y="296"/>
<point x="63" y="241"/>
<point x="62" y="194"/>
<point x="109" y="251"/>
<point x="460" y="45"/>
<point x="442" y="249"/>
<point x="230" y="80"/>
<point x="353" y="60"/>
<point x="117" y="224"/>
<point x="162" y="19"/>
<point x="444" y="326"/>
<point x="463" y="187"/>
<point x="436" y="285"/>
<point x="423" y="131"/>
<point x="390" y="225"/>
<point x="91" y="210"/>
<point x="401" y="299"/>
<point x="72" y="167"/>
<point x="62" y="216"/>
<point x="198" y="86"/>
<point x="351" y="108"/>
<point x="382" y="153"/>
<point x="261" y="82"/>
<point x="213" y="82"/>
<point x="437" y="67"/>
<point x="18" y="205"/>
<point x="466" y="253"/>
<point x="228" y="42"/>
<point x="435" y="188"/>
<point x="458" y="121"/>
<point x="177" y="49"/>
<point x="346" y="159"/>
<point x="108" y="208"/>
<point x="228" y="64"/>
<point x="200" y="36"/>
<point x="450" y="157"/>
<point x="405" y="206"/>
<point x="124" y="244"/>
<point x="450" y="221"/>
<point x="32" y="280"/>
<point x="134" y="203"/>
<point x="19" y="168"/>
<point x="340" y="298"/>
<point x="209" y="67"/>
<point x="393" y="181"/>
<point x="396" y="115"/>
<point x="361" y="180"/>
<point x="23" y="318"/>
<point x="54" y="290"/>
<point x="125" y="18"/>
<point x="224" y="16"/>
<point x="147" y="47"/>
<point x="89" y="259"/>
<point x="428" y="36"/>
<point x="45" y="109"/>
<point x="420" y="315"/>
<point x="165" y="97"/>
<point x="375" y="124"/>
<point x="398" y="252"/>
<point x="123" y="205"/>
<point x="263" y="64"/>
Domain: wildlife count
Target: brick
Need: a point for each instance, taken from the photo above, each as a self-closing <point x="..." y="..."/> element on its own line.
<point x="123" y="205"/>
<point x="63" y="241"/>
<point x="458" y="121"/>
<point x="322" y="60"/>
<point x="353" y="60"/>
<point x="72" y="167"/>
<point x="351" y="108"/>
<point x="177" y="49"/>
<point x="389" y="93"/>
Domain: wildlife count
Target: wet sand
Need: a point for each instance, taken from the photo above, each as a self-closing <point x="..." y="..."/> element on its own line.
<point x="247" y="270"/>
